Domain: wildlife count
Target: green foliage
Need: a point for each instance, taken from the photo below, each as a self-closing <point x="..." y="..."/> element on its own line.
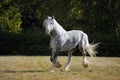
<point x="10" y="17"/>
<point x="109" y="44"/>
<point x="35" y="42"/>
<point x="100" y="19"/>
<point x="102" y="16"/>
<point x="26" y="43"/>
<point x="88" y="15"/>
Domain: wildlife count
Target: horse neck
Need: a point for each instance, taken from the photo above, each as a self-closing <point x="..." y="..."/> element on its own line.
<point x="58" y="29"/>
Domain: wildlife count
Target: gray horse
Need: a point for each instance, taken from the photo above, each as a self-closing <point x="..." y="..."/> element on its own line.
<point x="62" y="40"/>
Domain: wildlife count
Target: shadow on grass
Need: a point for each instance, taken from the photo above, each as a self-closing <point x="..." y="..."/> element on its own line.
<point x="25" y="71"/>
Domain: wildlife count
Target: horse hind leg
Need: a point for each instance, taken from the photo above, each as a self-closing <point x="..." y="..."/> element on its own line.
<point x="85" y="61"/>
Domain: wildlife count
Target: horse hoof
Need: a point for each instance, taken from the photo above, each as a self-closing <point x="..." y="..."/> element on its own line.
<point x="66" y="69"/>
<point x="58" y="65"/>
<point x="85" y="65"/>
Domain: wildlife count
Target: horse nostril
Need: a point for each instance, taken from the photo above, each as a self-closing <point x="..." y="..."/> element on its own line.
<point x="46" y="31"/>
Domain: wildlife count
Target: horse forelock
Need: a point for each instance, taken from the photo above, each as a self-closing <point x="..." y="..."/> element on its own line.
<point x="49" y="17"/>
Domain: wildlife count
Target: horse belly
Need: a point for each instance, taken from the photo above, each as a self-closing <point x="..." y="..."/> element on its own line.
<point x="68" y="46"/>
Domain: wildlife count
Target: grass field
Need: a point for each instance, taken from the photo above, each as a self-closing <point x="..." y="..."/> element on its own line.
<point x="36" y="68"/>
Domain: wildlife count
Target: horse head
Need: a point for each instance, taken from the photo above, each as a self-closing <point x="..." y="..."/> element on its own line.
<point x="48" y="24"/>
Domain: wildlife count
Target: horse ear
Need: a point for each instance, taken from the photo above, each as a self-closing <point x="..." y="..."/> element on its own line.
<point x="53" y="17"/>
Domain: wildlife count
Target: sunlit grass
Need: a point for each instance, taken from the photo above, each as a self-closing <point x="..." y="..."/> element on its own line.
<point x="36" y="68"/>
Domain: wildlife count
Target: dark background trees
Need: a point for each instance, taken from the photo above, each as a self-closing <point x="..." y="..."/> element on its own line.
<point x="21" y="30"/>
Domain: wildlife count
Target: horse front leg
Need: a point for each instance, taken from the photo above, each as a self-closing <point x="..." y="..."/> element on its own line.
<point x="69" y="59"/>
<point x="53" y="59"/>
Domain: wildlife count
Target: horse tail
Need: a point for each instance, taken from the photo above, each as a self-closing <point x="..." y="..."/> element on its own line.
<point x="91" y="49"/>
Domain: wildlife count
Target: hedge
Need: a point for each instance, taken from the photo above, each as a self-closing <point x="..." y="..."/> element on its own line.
<point x="35" y="42"/>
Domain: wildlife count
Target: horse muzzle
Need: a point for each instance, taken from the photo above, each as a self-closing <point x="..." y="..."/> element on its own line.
<point x="47" y="32"/>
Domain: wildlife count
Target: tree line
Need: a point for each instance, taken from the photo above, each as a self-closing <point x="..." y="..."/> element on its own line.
<point x="100" y="19"/>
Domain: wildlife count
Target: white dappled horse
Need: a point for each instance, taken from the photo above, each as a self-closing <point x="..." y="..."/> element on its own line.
<point x="62" y="40"/>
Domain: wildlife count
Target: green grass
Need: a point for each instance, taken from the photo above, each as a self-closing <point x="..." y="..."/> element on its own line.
<point x="36" y="68"/>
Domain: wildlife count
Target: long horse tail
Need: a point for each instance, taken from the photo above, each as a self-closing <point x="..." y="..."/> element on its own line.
<point x="91" y="49"/>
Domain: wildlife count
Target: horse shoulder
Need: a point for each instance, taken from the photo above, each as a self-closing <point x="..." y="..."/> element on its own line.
<point x="52" y="43"/>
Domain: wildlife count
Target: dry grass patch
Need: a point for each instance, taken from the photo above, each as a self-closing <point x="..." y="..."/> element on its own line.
<point x="36" y="68"/>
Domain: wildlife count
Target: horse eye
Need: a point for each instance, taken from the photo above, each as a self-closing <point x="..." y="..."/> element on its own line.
<point x="51" y="23"/>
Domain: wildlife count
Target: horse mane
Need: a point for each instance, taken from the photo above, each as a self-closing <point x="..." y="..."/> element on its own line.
<point x="57" y="25"/>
